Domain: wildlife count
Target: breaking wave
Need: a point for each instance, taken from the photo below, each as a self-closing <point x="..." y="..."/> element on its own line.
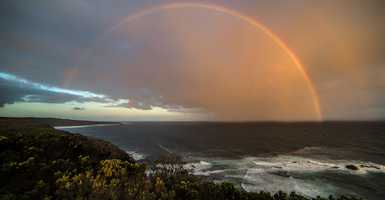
<point x="136" y="155"/>
<point x="285" y="173"/>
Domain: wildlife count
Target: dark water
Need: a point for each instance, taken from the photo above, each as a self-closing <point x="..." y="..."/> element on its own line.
<point x="309" y="158"/>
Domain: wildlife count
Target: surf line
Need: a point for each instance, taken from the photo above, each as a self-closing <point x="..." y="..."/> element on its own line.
<point x="165" y="149"/>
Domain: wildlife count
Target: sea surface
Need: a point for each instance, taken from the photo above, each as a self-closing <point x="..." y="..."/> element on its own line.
<point x="309" y="158"/>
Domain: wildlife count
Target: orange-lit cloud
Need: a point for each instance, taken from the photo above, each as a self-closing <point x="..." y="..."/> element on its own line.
<point x="246" y="73"/>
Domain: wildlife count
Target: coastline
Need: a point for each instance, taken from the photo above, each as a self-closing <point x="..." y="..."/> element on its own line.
<point x="49" y="153"/>
<point x="85" y="126"/>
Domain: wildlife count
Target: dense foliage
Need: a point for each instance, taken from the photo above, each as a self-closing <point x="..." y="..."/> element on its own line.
<point x="39" y="162"/>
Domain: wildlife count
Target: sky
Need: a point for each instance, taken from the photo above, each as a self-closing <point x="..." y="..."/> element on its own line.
<point x="164" y="60"/>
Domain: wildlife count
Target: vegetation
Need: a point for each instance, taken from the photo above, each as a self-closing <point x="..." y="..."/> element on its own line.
<point x="39" y="162"/>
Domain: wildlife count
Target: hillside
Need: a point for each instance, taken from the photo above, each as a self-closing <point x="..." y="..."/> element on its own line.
<point x="40" y="162"/>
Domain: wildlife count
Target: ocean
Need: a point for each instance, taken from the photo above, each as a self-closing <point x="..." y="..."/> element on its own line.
<point x="312" y="159"/>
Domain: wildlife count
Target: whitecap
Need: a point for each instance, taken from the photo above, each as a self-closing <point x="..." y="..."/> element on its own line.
<point x="136" y="155"/>
<point x="198" y="168"/>
<point x="285" y="172"/>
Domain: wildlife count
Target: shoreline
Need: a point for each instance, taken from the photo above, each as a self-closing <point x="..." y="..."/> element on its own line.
<point x="84" y="126"/>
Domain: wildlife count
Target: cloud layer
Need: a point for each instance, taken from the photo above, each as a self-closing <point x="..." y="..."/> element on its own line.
<point x="194" y="60"/>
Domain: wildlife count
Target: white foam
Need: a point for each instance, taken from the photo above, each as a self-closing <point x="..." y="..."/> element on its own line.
<point x="198" y="168"/>
<point x="281" y="173"/>
<point x="263" y="180"/>
<point x="289" y="163"/>
<point x="136" y="155"/>
<point x="294" y="163"/>
<point x="208" y="173"/>
<point x="256" y="180"/>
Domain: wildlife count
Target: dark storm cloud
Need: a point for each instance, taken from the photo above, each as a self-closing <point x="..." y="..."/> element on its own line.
<point x="11" y="93"/>
<point x="16" y="89"/>
<point x="44" y="35"/>
<point x="78" y="108"/>
<point x="132" y="104"/>
<point x="143" y="100"/>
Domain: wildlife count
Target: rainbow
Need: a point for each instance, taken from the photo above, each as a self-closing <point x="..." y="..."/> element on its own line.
<point x="242" y="17"/>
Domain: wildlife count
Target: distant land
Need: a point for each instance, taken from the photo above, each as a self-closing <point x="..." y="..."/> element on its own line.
<point x="52" y="121"/>
<point x="71" y="122"/>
